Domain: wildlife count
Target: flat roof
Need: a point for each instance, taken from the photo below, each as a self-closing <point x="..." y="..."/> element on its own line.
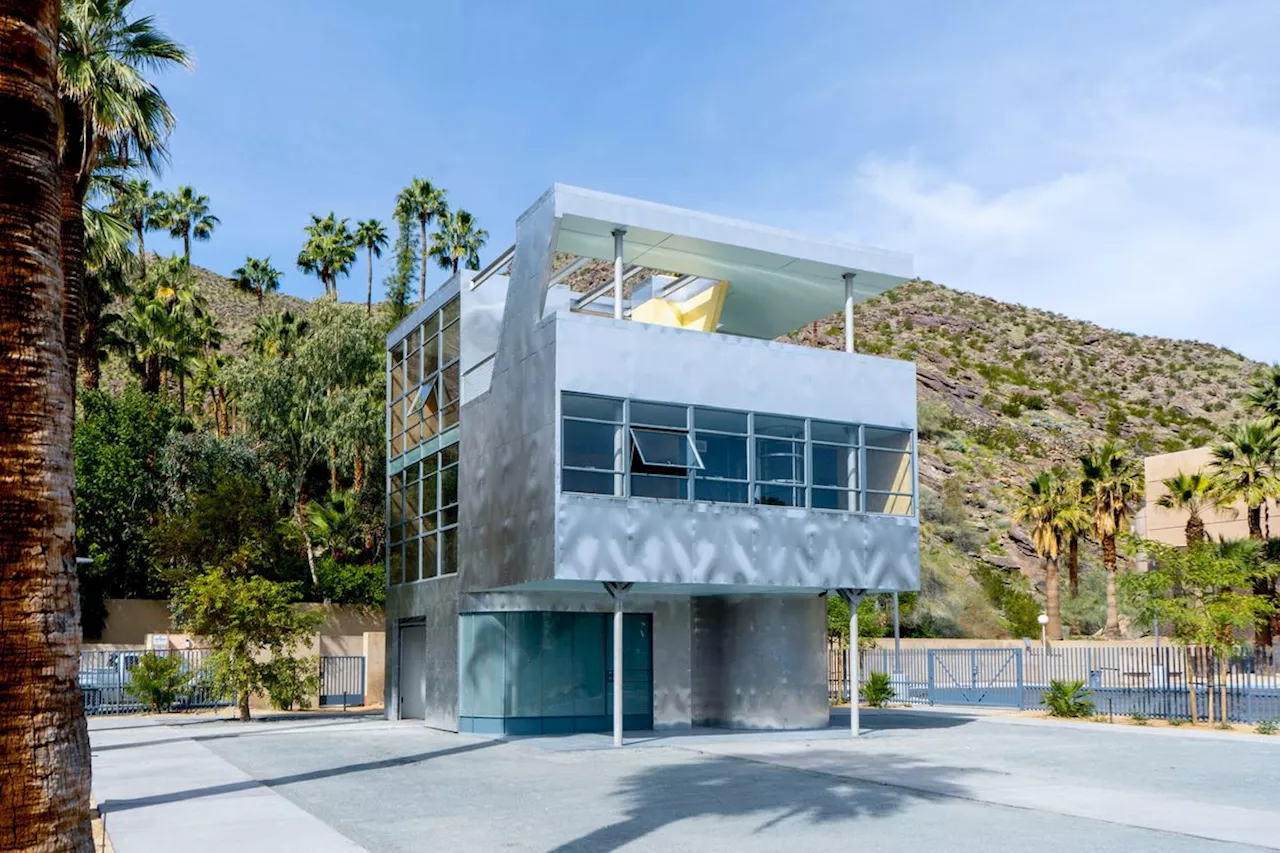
<point x="778" y="281"/>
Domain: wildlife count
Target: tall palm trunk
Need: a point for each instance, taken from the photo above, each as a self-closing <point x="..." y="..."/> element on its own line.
<point x="1112" y="631"/>
<point x="368" y="299"/>
<point x="1262" y="587"/>
<point x="1052" y="599"/>
<point x="422" y="270"/>
<point x="44" y="743"/>
<point x="140" y="228"/>
<point x="186" y="245"/>
<point x="1073" y="565"/>
<point x="1194" y="531"/>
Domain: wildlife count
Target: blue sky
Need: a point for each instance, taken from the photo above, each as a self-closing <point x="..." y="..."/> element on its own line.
<point x="1115" y="164"/>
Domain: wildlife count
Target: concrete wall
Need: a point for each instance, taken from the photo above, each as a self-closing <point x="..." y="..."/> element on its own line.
<point x="435" y="601"/>
<point x="1167" y="525"/>
<point x="131" y="620"/>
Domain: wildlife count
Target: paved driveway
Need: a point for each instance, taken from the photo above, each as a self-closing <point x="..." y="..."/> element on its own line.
<point x="917" y="781"/>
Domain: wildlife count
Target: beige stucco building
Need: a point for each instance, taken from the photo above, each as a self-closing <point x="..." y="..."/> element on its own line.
<point x="1168" y="525"/>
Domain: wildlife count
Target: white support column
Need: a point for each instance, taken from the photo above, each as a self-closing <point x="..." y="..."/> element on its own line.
<point x="848" y="311"/>
<point x="617" y="272"/>
<point x="617" y="669"/>
<point x="853" y="667"/>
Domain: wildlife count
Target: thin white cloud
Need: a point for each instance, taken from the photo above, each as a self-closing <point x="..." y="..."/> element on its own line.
<point x="1145" y="198"/>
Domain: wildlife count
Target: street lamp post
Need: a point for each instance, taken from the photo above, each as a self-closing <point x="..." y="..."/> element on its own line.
<point x="1043" y="619"/>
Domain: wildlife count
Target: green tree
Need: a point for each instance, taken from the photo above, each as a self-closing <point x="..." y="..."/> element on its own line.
<point x="109" y="267"/>
<point x="457" y="241"/>
<point x="329" y="251"/>
<point x="118" y="489"/>
<point x="138" y="205"/>
<point x="256" y="276"/>
<point x="1049" y="506"/>
<point x="249" y="623"/>
<point x="425" y="203"/>
<point x="1111" y="485"/>
<point x="278" y="335"/>
<point x="1199" y="591"/>
<point x="1189" y="493"/>
<point x="110" y="112"/>
<point x="406" y="265"/>
<point x="1244" y="469"/>
<point x="186" y="214"/>
<point x="372" y="236"/>
<point x="1076" y="524"/>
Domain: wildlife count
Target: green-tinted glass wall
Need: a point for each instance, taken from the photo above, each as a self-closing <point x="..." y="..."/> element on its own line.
<point x="534" y="672"/>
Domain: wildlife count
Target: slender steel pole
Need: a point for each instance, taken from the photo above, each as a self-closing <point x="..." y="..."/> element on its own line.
<point x="853" y="667"/>
<point x="897" y="636"/>
<point x="617" y="669"/>
<point x="617" y="272"/>
<point x="848" y="312"/>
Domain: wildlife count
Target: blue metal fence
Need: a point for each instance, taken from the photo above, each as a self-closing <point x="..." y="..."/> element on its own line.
<point x="1155" y="681"/>
<point x="342" y="680"/>
<point x="105" y="677"/>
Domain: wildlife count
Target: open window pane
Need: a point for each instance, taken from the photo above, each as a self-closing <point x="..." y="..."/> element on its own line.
<point x="588" y="444"/>
<point x="665" y="449"/>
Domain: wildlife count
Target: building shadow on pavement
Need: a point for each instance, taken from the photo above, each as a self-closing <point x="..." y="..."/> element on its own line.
<point x="109" y="806"/>
<point x="735" y="788"/>
<point x="889" y="719"/>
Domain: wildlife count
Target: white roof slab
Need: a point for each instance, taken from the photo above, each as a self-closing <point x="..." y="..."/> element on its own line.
<point x="778" y="281"/>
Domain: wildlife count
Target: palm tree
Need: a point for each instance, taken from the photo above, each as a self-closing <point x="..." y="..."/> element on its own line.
<point x="1077" y="522"/>
<point x="329" y="251"/>
<point x="1040" y="503"/>
<point x="426" y="203"/>
<point x="1264" y="398"/>
<point x="257" y="276"/>
<point x="372" y="235"/>
<point x="109" y="111"/>
<point x="186" y="214"/>
<point x="44" y="740"/>
<point x="1246" y="468"/>
<point x="1189" y="493"/>
<point x="458" y="240"/>
<point x="336" y="525"/>
<point x="277" y="335"/>
<point x="137" y="205"/>
<point x="108" y="267"/>
<point x="1112" y="484"/>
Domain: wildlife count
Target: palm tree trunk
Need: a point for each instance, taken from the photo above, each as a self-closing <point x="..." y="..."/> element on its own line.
<point x="1112" y="631"/>
<point x="368" y="299"/>
<point x="44" y="743"/>
<point x="422" y="271"/>
<point x="1194" y="531"/>
<point x="186" y="245"/>
<point x="1052" y="599"/>
<point x="1073" y="565"/>
<point x="1262" y="587"/>
<point x="142" y="251"/>
<point x="357" y="478"/>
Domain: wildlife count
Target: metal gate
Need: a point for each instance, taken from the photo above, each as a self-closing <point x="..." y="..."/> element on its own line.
<point x="342" y="680"/>
<point x="976" y="677"/>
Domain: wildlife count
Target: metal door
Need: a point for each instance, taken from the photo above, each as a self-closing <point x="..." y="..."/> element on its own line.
<point x="411" y="677"/>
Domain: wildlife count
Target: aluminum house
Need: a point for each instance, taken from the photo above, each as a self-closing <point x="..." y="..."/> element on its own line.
<point x="614" y="500"/>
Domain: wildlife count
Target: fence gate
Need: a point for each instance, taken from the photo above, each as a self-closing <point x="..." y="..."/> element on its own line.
<point x="976" y="677"/>
<point x="342" y="680"/>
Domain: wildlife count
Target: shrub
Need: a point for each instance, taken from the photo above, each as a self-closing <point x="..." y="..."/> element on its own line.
<point x="935" y="418"/>
<point x="1267" y="727"/>
<point x="1067" y="699"/>
<point x="1177" y="721"/>
<point x="877" y="690"/>
<point x="157" y="681"/>
<point x="1138" y="718"/>
<point x="290" y="681"/>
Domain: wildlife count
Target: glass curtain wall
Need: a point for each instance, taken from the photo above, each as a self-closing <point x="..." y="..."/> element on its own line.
<point x="630" y="448"/>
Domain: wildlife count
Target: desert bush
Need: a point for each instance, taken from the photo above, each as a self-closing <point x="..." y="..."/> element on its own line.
<point x="1267" y="727"/>
<point x="1067" y="699"/>
<point x="877" y="690"/>
<point x="157" y="681"/>
<point x="290" y="682"/>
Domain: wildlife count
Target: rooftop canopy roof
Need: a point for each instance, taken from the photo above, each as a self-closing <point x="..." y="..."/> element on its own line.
<point x="778" y="281"/>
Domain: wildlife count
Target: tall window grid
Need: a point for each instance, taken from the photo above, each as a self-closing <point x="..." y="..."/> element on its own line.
<point x="422" y="394"/>
<point x="632" y="448"/>
<point x="422" y="534"/>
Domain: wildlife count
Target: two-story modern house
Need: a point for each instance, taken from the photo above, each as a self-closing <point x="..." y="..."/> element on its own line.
<point x="618" y="501"/>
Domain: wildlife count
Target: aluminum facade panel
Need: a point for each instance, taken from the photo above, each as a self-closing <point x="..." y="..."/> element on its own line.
<point x="674" y="542"/>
